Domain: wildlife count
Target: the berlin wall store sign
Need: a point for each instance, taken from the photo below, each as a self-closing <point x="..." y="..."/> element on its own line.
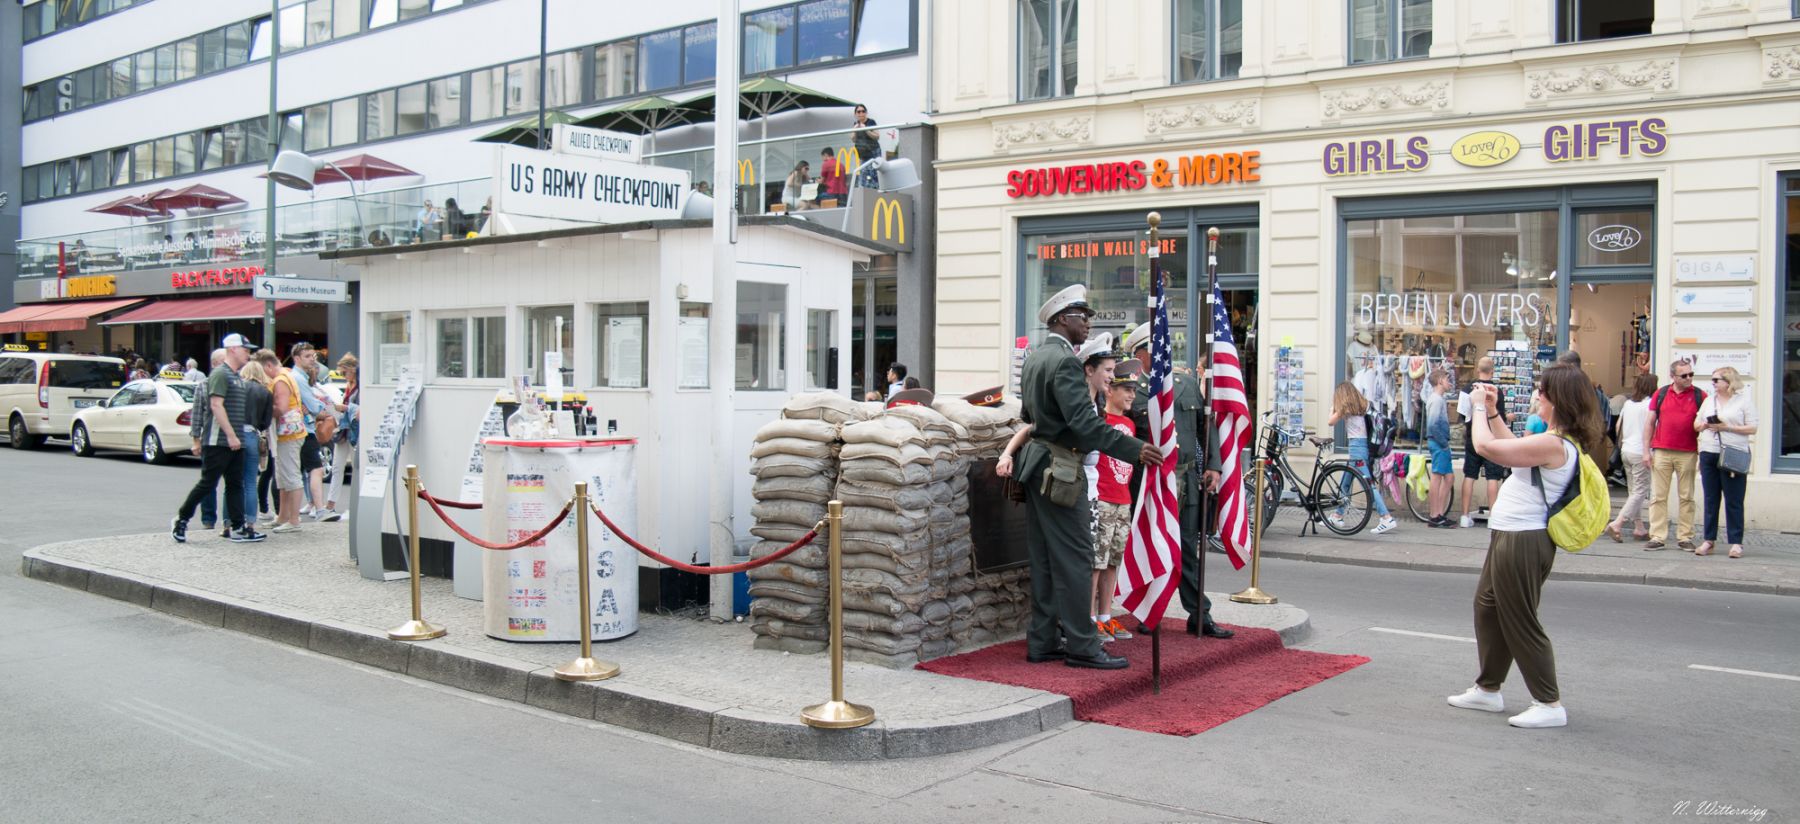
<point x="1562" y="143"/>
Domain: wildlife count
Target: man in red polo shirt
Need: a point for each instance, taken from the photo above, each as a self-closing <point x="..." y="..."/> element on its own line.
<point x="1674" y="454"/>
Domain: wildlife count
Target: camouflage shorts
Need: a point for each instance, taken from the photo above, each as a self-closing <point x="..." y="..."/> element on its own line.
<point x="1110" y="536"/>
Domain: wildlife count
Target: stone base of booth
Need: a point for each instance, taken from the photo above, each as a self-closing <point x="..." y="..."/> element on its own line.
<point x="694" y="681"/>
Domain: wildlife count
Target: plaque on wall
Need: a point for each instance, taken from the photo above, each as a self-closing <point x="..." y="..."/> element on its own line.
<point x="1714" y="299"/>
<point x="1714" y="268"/>
<point x="1705" y="361"/>
<point x="1734" y="330"/>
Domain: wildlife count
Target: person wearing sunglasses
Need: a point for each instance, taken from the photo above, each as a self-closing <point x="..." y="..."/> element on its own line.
<point x="1674" y="454"/>
<point x="1725" y="424"/>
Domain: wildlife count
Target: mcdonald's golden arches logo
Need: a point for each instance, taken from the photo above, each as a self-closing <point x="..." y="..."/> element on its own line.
<point x="848" y="158"/>
<point x="889" y="215"/>
<point x="747" y="172"/>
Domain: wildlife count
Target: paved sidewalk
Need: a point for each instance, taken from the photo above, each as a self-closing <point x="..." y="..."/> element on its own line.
<point x="1771" y="562"/>
<point x="689" y="679"/>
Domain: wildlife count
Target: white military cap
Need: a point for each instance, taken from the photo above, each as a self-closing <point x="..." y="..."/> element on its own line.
<point x="1101" y="344"/>
<point x="1074" y="297"/>
<point x="1139" y="337"/>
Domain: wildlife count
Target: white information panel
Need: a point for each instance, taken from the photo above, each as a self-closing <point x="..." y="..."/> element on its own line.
<point x="533" y="593"/>
<point x="1707" y="360"/>
<point x="1714" y="299"/>
<point x="1714" y="268"/>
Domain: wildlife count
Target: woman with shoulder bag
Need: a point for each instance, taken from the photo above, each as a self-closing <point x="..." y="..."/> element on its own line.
<point x="1725" y="423"/>
<point x="1520" y="551"/>
<point x="342" y="445"/>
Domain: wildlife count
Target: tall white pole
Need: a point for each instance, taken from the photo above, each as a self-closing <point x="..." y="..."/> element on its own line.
<point x="722" y="372"/>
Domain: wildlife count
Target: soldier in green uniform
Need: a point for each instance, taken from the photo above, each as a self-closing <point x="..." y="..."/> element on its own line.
<point x="1065" y="427"/>
<point x="1190" y="410"/>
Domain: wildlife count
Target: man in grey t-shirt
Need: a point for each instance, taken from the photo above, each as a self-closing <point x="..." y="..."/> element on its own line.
<point x="221" y="453"/>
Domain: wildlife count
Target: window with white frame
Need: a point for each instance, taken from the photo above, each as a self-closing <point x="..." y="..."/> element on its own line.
<point x="622" y="334"/>
<point x="1047" y="37"/>
<point x="821" y="349"/>
<point x="1209" y="39"/>
<point x="761" y="337"/>
<point x="1581" y="20"/>
<point x="1383" y="30"/>
<point x="392" y="332"/>
<point x="550" y="329"/>
<point x="469" y="345"/>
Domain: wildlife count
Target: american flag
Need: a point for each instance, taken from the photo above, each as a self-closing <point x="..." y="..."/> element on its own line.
<point x="1231" y="412"/>
<point x="1153" y="552"/>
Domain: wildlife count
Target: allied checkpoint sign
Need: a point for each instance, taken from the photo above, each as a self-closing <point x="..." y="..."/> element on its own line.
<point x="584" y="189"/>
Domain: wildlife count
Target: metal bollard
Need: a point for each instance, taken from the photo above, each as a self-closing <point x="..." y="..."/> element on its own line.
<point x="585" y="668"/>
<point x="418" y="629"/>
<point x="1254" y="595"/>
<point x="837" y="714"/>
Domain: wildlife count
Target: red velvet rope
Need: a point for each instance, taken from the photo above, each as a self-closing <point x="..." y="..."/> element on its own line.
<point x="526" y="541"/>
<point x="426" y="496"/>
<point x="709" y="570"/>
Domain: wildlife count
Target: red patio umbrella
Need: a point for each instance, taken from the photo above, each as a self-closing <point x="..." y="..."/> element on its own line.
<point x="361" y="167"/>
<point x="132" y="206"/>
<point x="197" y="196"/>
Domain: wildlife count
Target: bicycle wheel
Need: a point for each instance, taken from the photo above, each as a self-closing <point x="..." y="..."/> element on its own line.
<point x="1343" y="491"/>
<point x="1420" y="507"/>
<point x="1272" y="489"/>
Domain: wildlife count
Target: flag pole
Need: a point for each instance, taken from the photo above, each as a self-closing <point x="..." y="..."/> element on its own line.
<point x="1155" y="221"/>
<point x="1205" y="431"/>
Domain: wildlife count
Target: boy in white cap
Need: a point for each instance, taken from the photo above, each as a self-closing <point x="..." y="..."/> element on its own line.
<point x="1059" y="405"/>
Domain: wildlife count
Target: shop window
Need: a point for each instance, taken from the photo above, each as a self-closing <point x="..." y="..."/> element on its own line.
<point x="1047" y="39"/>
<point x="769" y="40"/>
<point x="1382" y="30"/>
<point x="1116" y="268"/>
<point x="1581" y="20"/>
<point x="1209" y="39"/>
<point x="762" y="337"/>
<point x="392" y="333"/>
<point x="693" y="333"/>
<point x="622" y="334"/>
<point x="659" y="60"/>
<point x="470" y="346"/>
<point x="700" y="53"/>
<point x="821" y="349"/>
<point x="1440" y="293"/>
<point x="542" y="326"/>
<point x="446" y="102"/>
<point x="1612" y="238"/>
<point x="615" y="70"/>
<point x="1787" y="433"/>
<point x="824" y="31"/>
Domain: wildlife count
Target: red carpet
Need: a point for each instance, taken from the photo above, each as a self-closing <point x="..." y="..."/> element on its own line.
<point x="1205" y="682"/>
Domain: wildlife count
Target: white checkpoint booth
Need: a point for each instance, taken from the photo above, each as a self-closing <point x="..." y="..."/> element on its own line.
<point x="532" y="593"/>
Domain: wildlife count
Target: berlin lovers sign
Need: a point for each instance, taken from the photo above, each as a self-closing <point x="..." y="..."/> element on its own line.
<point x="585" y="189"/>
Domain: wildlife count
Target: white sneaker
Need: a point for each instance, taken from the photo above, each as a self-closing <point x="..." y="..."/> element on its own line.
<point x="1387" y="524"/>
<point x="1476" y="698"/>
<point x="267" y="518"/>
<point x="1540" y="716"/>
<point x="330" y="515"/>
<point x="282" y="529"/>
<point x="1335" y="519"/>
<point x="1466" y="522"/>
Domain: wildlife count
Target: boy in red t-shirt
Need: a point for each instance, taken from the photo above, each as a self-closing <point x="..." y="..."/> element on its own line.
<point x="1115" y="510"/>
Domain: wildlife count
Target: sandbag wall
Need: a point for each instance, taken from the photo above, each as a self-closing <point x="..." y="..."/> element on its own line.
<point x="911" y="592"/>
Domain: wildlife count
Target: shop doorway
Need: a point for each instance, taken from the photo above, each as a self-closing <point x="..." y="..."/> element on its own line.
<point x="1610" y="325"/>
<point x="1242" y="305"/>
<point x="874" y="329"/>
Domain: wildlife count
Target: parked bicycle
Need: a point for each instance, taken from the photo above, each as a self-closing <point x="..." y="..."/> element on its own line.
<point x="1335" y="494"/>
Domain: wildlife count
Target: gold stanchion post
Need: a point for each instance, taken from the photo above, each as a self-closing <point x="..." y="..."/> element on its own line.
<point x="585" y="668"/>
<point x="1255" y="595"/>
<point x="418" y="629"/>
<point x="837" y="714"/>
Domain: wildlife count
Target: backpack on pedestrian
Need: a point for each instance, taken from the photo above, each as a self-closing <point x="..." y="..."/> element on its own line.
<point x="1656" y="405"/>
<point x="1381" y="434"/>
<point x="1581" y="513"/>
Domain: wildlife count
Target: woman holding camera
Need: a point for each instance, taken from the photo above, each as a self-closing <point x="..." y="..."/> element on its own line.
<point x="1520" y="552"/>
<point x="1725" y="423"/>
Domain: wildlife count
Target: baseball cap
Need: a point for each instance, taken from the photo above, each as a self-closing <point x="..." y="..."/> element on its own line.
<point x="235" y="339"/>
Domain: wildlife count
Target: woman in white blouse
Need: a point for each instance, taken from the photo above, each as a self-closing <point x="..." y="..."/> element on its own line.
<point x="1726" y="421"/>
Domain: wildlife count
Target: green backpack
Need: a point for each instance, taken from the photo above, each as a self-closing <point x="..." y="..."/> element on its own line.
<point x="1581" y="513"/>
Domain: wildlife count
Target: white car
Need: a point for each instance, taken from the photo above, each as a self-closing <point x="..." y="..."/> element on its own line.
<point x="145" y="416"/>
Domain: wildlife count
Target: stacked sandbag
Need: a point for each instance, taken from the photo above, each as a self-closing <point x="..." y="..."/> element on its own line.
<point x="999" y="602"/>
<point x="794" y="461"/>
<point x="890" y="610"/>
<point x="952" y="548"/>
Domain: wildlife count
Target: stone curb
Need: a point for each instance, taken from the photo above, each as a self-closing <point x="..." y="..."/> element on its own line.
<point x="617" y="702"/>
<point x="1652" y="578"/>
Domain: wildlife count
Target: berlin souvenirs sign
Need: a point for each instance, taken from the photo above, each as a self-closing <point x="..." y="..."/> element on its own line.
<point x="585" y="189"/>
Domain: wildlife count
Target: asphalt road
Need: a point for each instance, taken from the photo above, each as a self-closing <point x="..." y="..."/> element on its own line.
<point x="114" y="713"/>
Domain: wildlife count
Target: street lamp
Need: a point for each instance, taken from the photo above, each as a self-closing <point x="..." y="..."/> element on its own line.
<point x="297" y="171"/>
